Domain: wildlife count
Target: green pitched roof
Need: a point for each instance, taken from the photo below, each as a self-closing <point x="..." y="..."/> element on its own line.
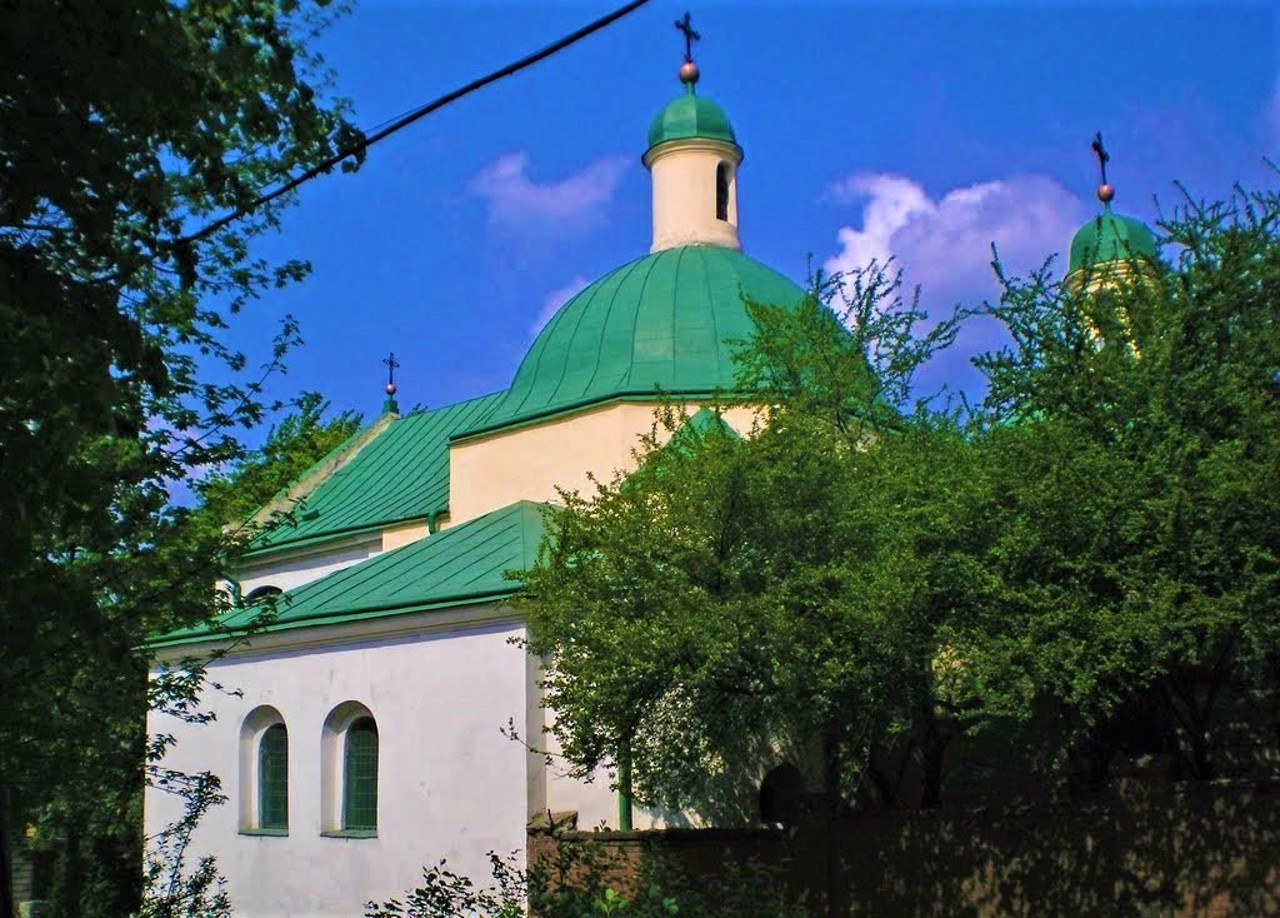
<point x="402" y="474"/>
<point x="689" y="116"/>
<point x="1109" y="237"/>
<point x="701" y="424"/>
<point x="662" y="323"/>
<point x="462" y="565"/>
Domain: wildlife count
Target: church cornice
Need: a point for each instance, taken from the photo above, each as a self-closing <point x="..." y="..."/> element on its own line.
<point x="350" y="629"/>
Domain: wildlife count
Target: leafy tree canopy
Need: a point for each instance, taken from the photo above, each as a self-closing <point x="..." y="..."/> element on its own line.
<point x="125" y="126"/>
<point x="1136" y="442"/>
<point x="1080" y="572"/>
<point x="300" y="440"/>
<point x="736" y="599"/>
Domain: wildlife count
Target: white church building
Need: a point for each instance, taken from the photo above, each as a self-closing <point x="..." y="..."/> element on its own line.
<point x="366" y="731"/>
<point x="362" y="733"/>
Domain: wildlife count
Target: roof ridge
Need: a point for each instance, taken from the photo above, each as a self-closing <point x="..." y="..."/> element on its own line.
<point x="391" y="479"/>
<point x="319" y="473"/>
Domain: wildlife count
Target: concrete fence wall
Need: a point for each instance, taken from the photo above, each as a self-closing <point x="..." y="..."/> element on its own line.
<point x="1166" y="850"/>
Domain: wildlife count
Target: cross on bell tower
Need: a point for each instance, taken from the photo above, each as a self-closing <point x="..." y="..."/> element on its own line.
<point x="693" y="157"/>
<point x="685" y="25"/>
<point x="688" y="70"/>
<point x="1105" y="191"/>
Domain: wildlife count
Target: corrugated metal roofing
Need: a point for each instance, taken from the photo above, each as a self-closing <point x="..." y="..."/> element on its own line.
<point x="1111" y="237"/>
<point x="459" y="566"/>
<point x="662" y="323"/>
<point x="690" y="115"/>
<point x="403" y="474"/>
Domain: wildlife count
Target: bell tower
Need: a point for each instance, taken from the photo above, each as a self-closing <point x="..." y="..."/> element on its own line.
<point x="693" y="159"/>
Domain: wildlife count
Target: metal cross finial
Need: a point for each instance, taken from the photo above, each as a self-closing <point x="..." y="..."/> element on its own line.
<point x="685" y="25"/>
<point x="391" y="364"/>
<point x="1103" y="156"/>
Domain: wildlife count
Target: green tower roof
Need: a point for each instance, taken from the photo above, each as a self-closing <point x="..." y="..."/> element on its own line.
<point x="662" y="323"/>
<point x="1108" y="237"/>
<point x="688" y="116"/>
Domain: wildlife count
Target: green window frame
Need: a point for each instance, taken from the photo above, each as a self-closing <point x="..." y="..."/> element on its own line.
<point x="273" y="778"/>
<point x="360" y="776"/>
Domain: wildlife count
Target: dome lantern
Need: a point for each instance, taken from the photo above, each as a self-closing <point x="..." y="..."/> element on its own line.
<point x="693" y="158"/>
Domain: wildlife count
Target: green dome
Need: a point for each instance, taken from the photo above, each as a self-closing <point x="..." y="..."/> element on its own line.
<point x="659" y="324"/>
<point x="688" y="116"/>
<point x="1108" y="237"/>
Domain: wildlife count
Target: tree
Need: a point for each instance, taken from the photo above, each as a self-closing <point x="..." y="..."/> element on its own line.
<point x="301" y="439"/>
<point x="581" y="879"/>
<point x="1137" y="441"/>
<point x="126" y="125"/>
<point x="736" y="601"/>
<point x="1080" y="571"/>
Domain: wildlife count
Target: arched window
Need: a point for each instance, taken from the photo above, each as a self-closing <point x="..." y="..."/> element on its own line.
<point x="349" y="772"/>
<point x="722" y="191"/>
<point x="262" y="592"/>
<point x="264" y="773"/>
<point x="273" y="778"/>
<point x="360" y="776"/>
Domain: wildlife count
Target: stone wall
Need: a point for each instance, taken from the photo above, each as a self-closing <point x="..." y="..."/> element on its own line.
<point x="30" y="873"/>
<point x="1139" y="850"/>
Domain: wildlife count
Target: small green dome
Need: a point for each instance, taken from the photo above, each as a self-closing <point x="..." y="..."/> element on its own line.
<point x="689" y="116"/>
<point x="662" y="323"/>
<point x="1108" y="237"/>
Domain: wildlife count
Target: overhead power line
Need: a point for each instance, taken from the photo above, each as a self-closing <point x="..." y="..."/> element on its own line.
<point x="406" y="120"/>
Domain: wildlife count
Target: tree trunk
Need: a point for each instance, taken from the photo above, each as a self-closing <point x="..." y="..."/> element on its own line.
<point x="830" y="821"/>
<point x="6" y="857"/>
<point x="877" y="772"/>
<point x="933" y="747"/>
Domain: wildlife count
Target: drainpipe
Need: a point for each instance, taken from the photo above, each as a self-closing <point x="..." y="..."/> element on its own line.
<point x="624" y="787"/>
<point x="233" y="587"/>
<point x="6" y="861"/>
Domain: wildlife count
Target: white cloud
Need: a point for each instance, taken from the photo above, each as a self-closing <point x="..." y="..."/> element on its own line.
<point x="517" y="202"/>
<point x="944" y="244"/>
<point x="891" y="202"/>
<point x="555" y="299"/>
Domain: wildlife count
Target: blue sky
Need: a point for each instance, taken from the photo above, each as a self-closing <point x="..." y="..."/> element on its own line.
<point x="923" y="130"/>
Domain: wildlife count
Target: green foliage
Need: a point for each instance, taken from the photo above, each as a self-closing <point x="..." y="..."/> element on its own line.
<point x="173" y="889"/>
<point x="299" y="441"/>
<point x="1083" y="572"/>
<point x="582" y="879"/>
<point x="736" y="601"/>
<point x="126" y="125"/>
<point x="1136" y="446"/>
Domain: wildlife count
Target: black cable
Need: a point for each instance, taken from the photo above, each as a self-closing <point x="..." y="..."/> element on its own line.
<point x="408" y="119"/>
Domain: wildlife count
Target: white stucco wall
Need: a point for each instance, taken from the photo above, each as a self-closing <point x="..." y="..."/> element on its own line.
<point x="288" y="570"/>
<point x="684" y="194"/>
<point x="529" y="463"/>
<point x="552" y="788"/>
<point x="450" y="784"/>
<point x="595" y="801"/>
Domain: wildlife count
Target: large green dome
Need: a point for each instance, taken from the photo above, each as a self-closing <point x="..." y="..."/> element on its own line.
<point x="659" y="324"/>
<point x="1109" y="237"/>
<point x="690" y="116"/>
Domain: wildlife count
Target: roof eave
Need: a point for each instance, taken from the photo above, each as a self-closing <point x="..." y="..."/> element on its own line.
<point x="626" y="395"/>
<point x="216" y="635"/>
